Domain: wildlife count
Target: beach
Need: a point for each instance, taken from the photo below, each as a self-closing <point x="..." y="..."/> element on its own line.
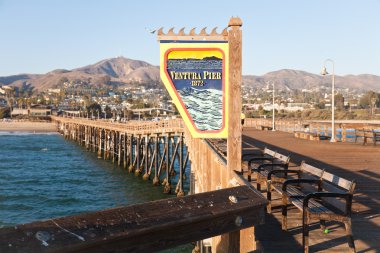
<point x="27" y="126"/>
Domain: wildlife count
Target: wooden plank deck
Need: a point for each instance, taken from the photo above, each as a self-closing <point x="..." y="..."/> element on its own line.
<point x="347" y="160"/>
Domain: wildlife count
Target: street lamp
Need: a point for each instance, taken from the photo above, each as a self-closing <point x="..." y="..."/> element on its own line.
<point x="323" y="73"/>
<point x="273" y="112"/>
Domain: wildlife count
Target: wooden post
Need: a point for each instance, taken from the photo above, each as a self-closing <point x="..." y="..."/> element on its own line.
<point x="119" y="158"/>
<point x="166" y="183"/>
<point x="125" y="151"/>
<point x="155" y="179"/>
<point x="106" y="144"/>
<point x="138" y="152"/>
<point x="234" y="140"/>
<point x="146" y="152"/>
<point x="344" y="133"/>
<point x="100" y="143"/>
<point x="234" y="106"/>
<point x="131" y="150"/>
<point x="113" y="143"/>
<point x="180" y="192"/>
<point x="94" y="136"/>
<point x="87" y="137"/>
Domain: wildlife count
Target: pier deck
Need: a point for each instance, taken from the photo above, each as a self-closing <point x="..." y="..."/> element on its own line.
<point x="347" y="160"/>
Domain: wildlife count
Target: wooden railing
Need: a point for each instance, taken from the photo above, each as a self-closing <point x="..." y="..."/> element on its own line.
<point x="345" y="129"/>
<point x="147" y="227"/>
<point x="132" y="127"/>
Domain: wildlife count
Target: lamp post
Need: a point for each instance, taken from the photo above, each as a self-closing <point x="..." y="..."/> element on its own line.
<point x="323" y="73"/>
<point x="273" y="112"/>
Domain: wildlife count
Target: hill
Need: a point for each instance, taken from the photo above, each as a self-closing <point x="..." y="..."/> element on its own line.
<point x="124" y="71"/>
<point x="288" y="79"/>
<point x="118" y="70"/>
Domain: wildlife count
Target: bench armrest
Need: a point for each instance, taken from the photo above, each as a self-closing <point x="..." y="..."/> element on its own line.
<point x="301" y="180"/>
<point x="285" y="170"/>
<point x="262" y="166"/>
<point x="269" y="159"/>
<point x="319" y="195"/>
<point x="258" y="153"/>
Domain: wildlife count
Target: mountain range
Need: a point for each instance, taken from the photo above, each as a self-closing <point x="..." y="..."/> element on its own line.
<point x="123" y="71"/>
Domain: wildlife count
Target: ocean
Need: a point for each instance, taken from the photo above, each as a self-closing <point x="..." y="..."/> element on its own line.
<point x="44" y="176"/>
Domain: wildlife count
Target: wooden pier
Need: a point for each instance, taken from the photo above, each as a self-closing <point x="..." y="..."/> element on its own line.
<point x="124" y="144"/>
<point x="150" y="149"/>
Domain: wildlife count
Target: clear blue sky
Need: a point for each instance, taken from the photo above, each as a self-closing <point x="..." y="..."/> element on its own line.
<point x="37" y="36"/>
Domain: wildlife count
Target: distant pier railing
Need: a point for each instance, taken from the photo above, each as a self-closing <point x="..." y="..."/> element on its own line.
<point x="131" y="127"/>
<point x="345" y="130"/>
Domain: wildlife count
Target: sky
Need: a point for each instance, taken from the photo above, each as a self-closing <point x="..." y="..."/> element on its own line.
<point x="38" y="36"/>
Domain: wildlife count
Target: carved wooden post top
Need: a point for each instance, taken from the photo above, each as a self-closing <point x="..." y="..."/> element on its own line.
<point x="235" y="23"/>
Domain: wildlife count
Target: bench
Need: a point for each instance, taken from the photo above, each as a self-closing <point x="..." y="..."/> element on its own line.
<point x="318" y="195"/>
<point x="260" y="155"/>
<point x="276" y="178"/>
<point x="279" y="162"/>
<point x="265" y="153"/>
<point x="310" y="136"/>
<point x="367" y="134"/>
<point x="267" y="161"/>
<point x="262" y="127"/>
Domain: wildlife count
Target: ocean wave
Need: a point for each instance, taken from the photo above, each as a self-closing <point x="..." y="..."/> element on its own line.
<point x="204" y="106"/>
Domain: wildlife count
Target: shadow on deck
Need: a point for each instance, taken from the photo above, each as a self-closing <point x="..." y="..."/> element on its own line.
<point x="348" y="160"/>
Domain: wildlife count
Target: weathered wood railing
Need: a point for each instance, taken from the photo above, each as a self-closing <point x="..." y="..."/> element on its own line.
<point x="132" y="127"/>
<point x="147" y="227"/>
<point x="345" y="129"/>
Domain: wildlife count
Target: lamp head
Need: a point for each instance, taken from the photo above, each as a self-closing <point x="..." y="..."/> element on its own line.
<point x="324" y="71"/>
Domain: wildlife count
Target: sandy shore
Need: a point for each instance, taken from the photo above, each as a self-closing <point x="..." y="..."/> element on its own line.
<point x="27" y="126"/>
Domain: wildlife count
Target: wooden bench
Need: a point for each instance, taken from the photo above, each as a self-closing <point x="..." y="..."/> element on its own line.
<point x="260" y="156"/>
<point x="276" y="178"/>
<point x="265" y="128"/>
<point x="265" y="153"/>
<point x="267" y="161"/>
<point x="329" y="200"/>
<point x="310" y="136"/>
<point x="279" y="162"/>
<point x="367" y="134"/>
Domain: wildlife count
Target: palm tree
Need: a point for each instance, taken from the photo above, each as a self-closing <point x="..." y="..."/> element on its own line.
<point x="20" y="103"/>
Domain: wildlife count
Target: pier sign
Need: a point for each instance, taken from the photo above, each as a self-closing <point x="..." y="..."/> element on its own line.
<point x="196" y="77"/>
